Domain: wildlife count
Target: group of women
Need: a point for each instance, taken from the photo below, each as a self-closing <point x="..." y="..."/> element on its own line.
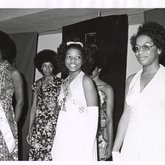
<point x="71" y="117"/>
<point x="64" y="114"/>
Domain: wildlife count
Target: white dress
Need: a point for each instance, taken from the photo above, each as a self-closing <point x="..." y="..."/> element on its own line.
<point x="71" y="142"/>
<point x="145" y="135"/>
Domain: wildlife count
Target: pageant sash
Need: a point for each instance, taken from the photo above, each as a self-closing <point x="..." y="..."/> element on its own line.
<point x="6" y="131"/>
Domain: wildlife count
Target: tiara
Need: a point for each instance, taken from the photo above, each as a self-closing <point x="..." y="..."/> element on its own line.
<point x="72" y="42"/>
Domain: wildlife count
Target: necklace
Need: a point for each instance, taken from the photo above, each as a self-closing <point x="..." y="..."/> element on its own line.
<point x="66" y="84"/>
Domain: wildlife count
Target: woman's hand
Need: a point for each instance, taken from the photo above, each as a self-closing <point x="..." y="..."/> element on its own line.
<point x="115" y="155"/>
<point x="108" y="153"/>
<point x="28" y="138"/>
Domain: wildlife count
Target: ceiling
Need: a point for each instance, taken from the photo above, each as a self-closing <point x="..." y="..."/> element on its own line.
<point x="48" y="20"/>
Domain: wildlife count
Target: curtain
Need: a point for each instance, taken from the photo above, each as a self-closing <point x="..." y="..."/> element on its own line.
<point x="110" y="34"/>
<point x="26" y="45"/>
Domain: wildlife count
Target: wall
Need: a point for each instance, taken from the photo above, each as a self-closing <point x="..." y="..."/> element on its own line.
<point x="132" y="64"/>
<point x="50" y="41"/>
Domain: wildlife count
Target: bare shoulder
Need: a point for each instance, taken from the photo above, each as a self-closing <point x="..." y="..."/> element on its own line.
<point x="88" y="83"/>
<point x="108" y="90"/>
<point x="15" y="74"/>
<point x="108" y="87"/>
<point x="129" y="79"/>
<point x="90" y="91"/>
<point x="87" y="80"/>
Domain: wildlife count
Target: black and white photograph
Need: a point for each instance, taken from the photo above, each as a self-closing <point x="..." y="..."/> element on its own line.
<point x="82" y="82"/>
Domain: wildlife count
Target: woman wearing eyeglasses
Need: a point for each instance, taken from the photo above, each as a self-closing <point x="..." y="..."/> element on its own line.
<point x="141" y="130"/>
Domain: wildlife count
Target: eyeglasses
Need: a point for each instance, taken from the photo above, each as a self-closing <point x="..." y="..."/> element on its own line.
<point x="144" y="48"/>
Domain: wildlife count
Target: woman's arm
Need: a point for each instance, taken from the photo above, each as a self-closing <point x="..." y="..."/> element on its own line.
<point x="92" y="114"/>
<point x="18" y="87"/>
<point x="109" y="112"/>
<point x="123" y="123"/>
<point x="90" y="91"/>
<point x="33" y="111"/>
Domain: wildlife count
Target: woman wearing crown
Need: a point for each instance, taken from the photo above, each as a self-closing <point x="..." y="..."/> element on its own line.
<point x="75" y="138"/>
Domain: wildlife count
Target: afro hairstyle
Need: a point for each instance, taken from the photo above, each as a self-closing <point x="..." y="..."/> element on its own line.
<point x="7" y="47"/>
<point x="155" y="31"/>
<point x="46" y="55"/>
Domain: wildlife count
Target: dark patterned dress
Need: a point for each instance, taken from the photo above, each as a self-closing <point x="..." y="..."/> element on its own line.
<point x="44" y="126"/>
<point x="6" y="95"/>
<point x="102" y="129"/>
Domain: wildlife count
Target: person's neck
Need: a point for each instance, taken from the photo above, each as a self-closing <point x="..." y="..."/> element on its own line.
<point x="97" y="80"/>
<point x="151" y="69"/>
<point x="48" y="77"/>
<point x="72" y="75"/>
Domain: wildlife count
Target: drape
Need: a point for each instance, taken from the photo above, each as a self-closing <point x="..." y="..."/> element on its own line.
<point x="110" y="36"/>
<point x="26" y="45"/>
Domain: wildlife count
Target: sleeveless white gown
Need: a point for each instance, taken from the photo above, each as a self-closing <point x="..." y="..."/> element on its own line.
<point x="145" y="135"/>
<point x="72" y="134"/>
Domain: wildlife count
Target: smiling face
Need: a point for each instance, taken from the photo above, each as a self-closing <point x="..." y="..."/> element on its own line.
<point x="73" y="60"/>
<point x="145" y="51"/>
<point x="47" y="68"/>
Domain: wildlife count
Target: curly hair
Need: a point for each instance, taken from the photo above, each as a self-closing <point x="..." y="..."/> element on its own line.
<point x="155" y="31"/>
<point x="87" y="56"/>
<point x="7" y="47"/>
<point x="100" y="60"/>
<point x="46" y="55"/>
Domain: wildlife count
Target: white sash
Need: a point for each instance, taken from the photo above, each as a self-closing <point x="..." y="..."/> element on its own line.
<point x="6" y="131"/>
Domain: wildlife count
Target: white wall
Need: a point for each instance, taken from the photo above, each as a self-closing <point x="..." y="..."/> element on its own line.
<point x="50" y="41"/>
<point x="132" y="64"/>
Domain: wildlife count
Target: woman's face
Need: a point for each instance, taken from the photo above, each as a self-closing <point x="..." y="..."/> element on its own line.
<point x="145" y="51"/>
<point x="73" y="60"/>
<point x="47" y="68"/>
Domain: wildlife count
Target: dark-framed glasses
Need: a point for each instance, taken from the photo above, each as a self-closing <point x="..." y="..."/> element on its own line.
<point x="143" y="48"/>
